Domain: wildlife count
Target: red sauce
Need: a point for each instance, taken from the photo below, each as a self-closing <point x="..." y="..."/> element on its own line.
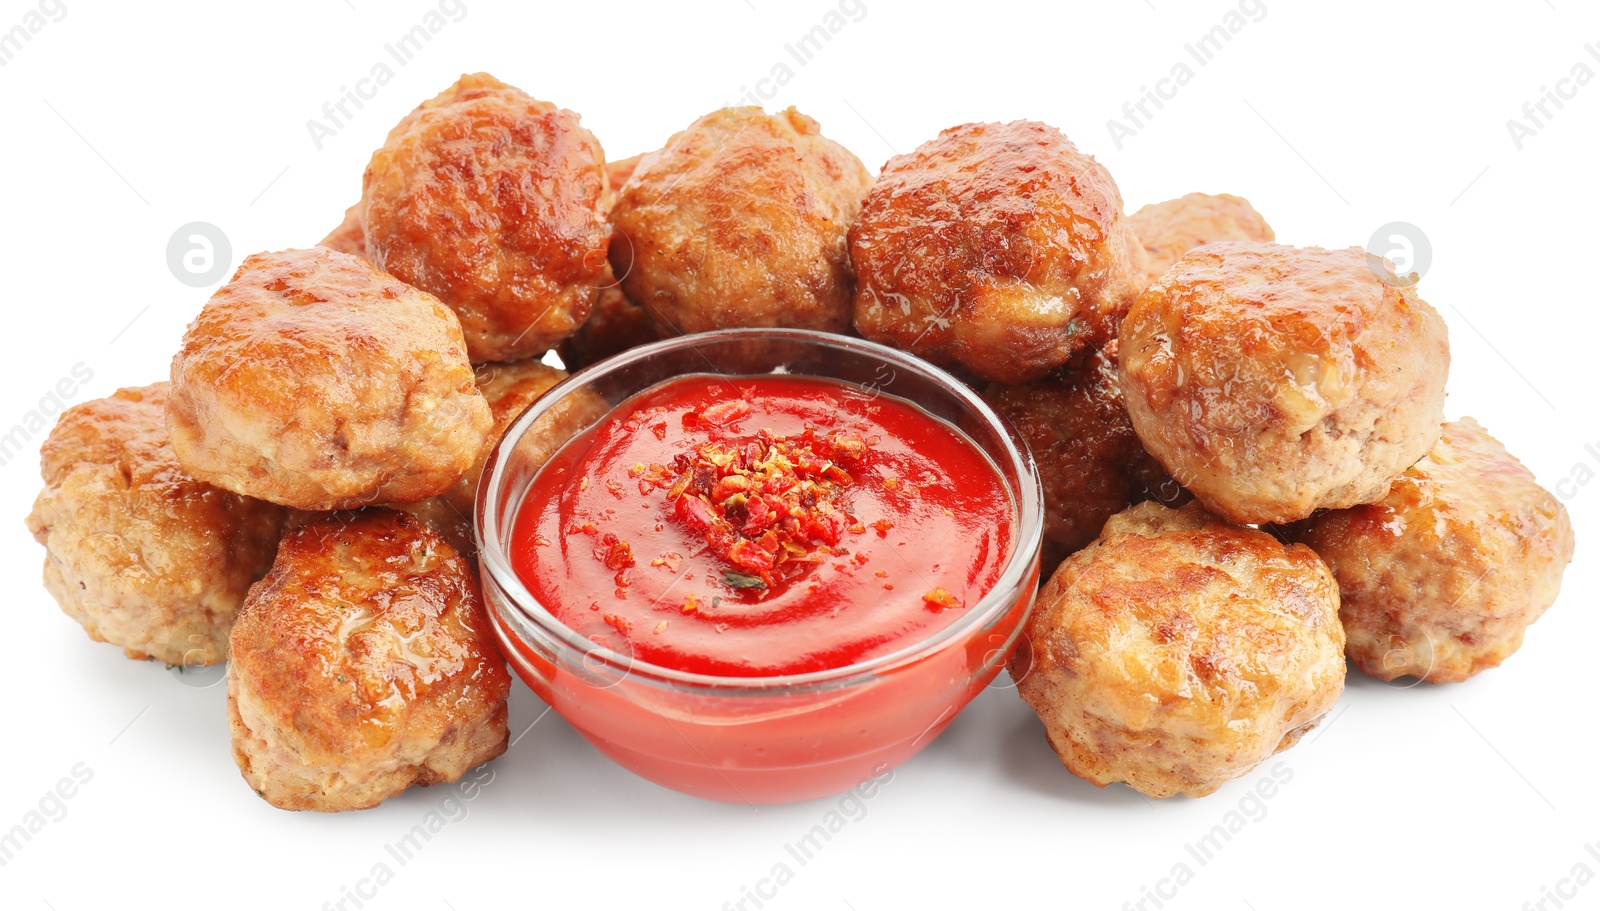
<point x="763" y="525"/>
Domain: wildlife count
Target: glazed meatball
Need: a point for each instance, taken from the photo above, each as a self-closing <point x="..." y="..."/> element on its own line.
<point x="349" y="236"/>
<point x="1440" y="578"/>
<point x="1272" y="381"/>
<point x="315" y="381"/>
<point x="740" y="221"/>
<point x="1090" y="461"/>
<point x="1172" y="228"/>
<point x="363" y="664"/>
<point x="1178" y="651"/>
<point x="451" y="524"/>
<point x="139" y="552"/>
<point x="492" y="201"/>
<point x="510" y="389"/>
<point x="996" y="247"/>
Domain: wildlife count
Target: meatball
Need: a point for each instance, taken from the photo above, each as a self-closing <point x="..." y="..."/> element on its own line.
<point x="996" y="247"/>
<point x="315" y="381"/>
<point x="1177" y="651"/>
<point x="349" y="236"/>
<point x="492" y="201"/>
<point x="510" y="389"/>
<point x="363" y="664"/>
<point x="1272" y="381"/>
<point x="1172" y="228"/>
<point x="1440" y="578"/>
<point x="618" y="172"/>
<point x="451" y="524"/>
<point x="1090" y="461"/>
<point x="615" y="325"/>
<point x="740" y="221"/>
<point x="139" y="552"/>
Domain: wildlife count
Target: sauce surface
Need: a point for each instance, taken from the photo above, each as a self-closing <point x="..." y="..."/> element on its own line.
<point x="760" y="526"/>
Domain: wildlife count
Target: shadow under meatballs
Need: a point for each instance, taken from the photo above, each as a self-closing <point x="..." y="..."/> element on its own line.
<point x="1016" y="741"/>
<point x="1356" y="679"/>
<point x="552" y="768"/>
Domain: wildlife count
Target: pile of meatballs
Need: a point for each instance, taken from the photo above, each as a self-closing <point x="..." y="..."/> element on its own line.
<point x="1247" y="473"/>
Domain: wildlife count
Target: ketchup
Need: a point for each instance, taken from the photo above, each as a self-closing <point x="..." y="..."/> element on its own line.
<point x="763" y="526"/>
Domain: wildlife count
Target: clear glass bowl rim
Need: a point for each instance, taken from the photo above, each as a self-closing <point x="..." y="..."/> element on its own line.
<point x="1029" y="502"/>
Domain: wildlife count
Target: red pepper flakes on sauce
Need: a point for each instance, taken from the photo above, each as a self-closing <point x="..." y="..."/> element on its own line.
<point x="770" y="506"/>
<point x="617" y="555"/>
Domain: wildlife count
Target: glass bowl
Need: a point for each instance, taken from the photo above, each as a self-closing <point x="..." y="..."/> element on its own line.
<point x="773" y="739"/>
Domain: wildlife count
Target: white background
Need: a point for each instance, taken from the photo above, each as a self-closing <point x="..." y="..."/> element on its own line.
<point x="122" y="122"/>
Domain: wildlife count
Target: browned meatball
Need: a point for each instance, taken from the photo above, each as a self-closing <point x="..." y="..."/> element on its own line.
<point x="618" y="172"/>
<point x="1178" y="651"/>
<point x="138" y="551"/>
<point x="349" y="236"/>
<point x="997" y="247"/>
<point x="363" y="664"/>
<point x="315" y="381"/>
<point x="615" y="325"/>
<point x="740" y="221"/>
<point x="1440" y="577"/>
<point x="492" y="201"/>
<point x="510" y="389"/>
<point x="1090" y="461"/>
<point x="451" y="524"/>
<point x="1172" y="228"/>
<point x="1272" y="381"/>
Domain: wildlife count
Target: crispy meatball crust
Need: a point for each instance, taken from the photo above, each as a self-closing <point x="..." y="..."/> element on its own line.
<point x="139" y="552"/>
<point x="1172" y="228"/>
<point x="363" y="664"/>
<point x="1177" y="651"/>
<point x="349" y="237"/>
<point x="1090" y="461"/>
<point x="1440" y="577"/>
<point x="997" y="247"/>
<point x="740" y="220"/>
<point x="1272" y="381"/>
<point x="492" y="201"/>
<point x="315" y="381"/>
